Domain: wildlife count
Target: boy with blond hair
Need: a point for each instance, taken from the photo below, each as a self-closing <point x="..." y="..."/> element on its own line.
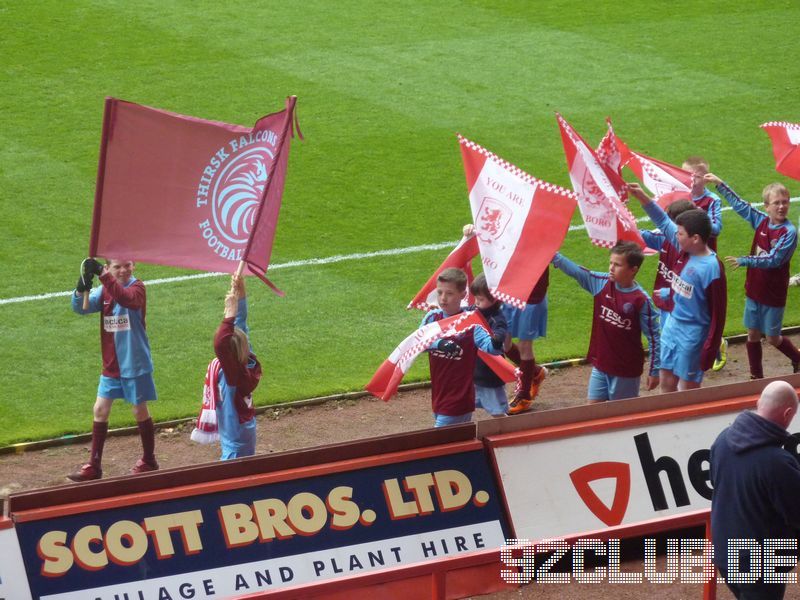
<point x="767" y="265"/>
<point x="691" y="336"/>
<point x="452" y="359"/>
<point x="623" y="312"/>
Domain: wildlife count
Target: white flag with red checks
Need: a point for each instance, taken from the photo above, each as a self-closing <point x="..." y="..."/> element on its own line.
<point x="666" y="182"/>
<point x="785" y="146"/>
<point x="460" y="258"/>
<point x="601" y="192"/>
<point x="387" y="378"/>
<point x="610" y="153"/>
<point x="520" y="221"/>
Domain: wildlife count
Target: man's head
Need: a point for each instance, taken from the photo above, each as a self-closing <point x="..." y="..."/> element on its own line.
<point x="698" y="167"/>
<point x="778" y="403"/>
<point x="624" y="263"/>
<point x="776" y="202"/>
<point x="451" y="285"/>
<point x="480" y="289"/>
<point x="694" y="229"/>
<point x="121" y="269"/>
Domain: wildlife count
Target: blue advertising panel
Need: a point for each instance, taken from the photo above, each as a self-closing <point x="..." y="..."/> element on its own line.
<point x="240" y="541"/>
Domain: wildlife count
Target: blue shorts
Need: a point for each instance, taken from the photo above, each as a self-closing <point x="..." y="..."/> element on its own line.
<point x="134" y="390"/>
<point x="766" y="319"/>
<point x="492" y="399"/>
<point x="444" y="420"/>
<point x="527" y="323"/>
<point x="683" y="362"/>
<point x="610" y="387"/>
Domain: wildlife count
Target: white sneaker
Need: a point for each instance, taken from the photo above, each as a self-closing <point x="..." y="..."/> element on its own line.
<point x="794" y="280"/>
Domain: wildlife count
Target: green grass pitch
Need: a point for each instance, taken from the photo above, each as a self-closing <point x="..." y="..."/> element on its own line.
<point x="382" y="88"/>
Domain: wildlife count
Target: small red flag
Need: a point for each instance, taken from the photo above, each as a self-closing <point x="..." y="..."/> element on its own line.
<point x="460" y="258"/>
<point x="186" y="192"/>
<point x="785" y="146"/>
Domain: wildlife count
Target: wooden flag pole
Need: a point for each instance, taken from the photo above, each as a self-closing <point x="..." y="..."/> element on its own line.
<point x="239" y="269"/>
<point x="85" y="300"/>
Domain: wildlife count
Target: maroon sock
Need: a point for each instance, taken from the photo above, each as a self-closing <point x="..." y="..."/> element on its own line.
<point x="789" y="350"/>
<point x="99" y="432"/>
<point x="754" y="358"/>
<point x="148" y="435"/>
<point x="513" y="354"/>
<point x="525" y="378"/>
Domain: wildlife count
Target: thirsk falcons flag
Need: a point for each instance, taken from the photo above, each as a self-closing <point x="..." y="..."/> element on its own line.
<point x="601" y="192"/>
<point x="181" y="191"/>
<point x="785" y="146"/>
<point x="387" y="378"/>
<point x="460" y="258"/>
<point x="520" y="221"/>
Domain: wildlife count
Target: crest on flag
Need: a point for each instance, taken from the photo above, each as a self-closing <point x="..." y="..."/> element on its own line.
<point x="520" y="221"/>
<point x="491" y="220"/>
<point x="785" y="139"/>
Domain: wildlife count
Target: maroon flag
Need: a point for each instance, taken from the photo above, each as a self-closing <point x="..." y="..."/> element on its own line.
<point x="186" y="192"/>
<point x="785" y="139"/>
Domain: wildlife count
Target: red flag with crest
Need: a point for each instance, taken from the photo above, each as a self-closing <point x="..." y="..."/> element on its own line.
<point x="600" y="191"/>
<point x="520" y="221"/>
<point x="666" y="182"/>
<point x="186" y="192"/>
<point x="785" y="146"/>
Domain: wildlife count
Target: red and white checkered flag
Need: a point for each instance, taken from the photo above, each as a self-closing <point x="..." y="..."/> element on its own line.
<point x="601" y="192"/>
<point x="460" y="258"/>
<point x="666" y="182"/>
<point x="520" y="221"/>
<point x="785" y="146"/>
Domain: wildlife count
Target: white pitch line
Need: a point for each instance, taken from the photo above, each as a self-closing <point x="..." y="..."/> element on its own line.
<point x="301" y="263"/>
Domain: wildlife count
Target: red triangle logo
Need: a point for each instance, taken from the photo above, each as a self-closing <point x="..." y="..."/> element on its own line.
<point x="581" y="478"/>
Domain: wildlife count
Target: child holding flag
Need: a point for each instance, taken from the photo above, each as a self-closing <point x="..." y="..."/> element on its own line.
<point x="526" y="325"/>
<point x="691" y="336"/>
<point x="767" y="265"/>
<point x="452" y="359"/>
<point x="127" y="363"/>
<point x="623" y="312"/>
<point x="490" y="389"/>
<point x="237" y="375"/>
<point x="709" y="202"/>
<point x="670" y="261"/>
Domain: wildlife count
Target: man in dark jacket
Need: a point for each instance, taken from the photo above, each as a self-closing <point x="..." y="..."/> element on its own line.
<point x="756" y="496"/>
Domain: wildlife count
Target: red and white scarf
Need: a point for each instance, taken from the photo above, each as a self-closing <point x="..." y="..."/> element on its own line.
<point x="387" y="378"/>
<point x="205" y="432"/>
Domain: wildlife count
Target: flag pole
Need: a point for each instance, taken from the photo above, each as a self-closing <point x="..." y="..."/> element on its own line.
<point x="98" y="190"/>
<point x="291" y="101"/>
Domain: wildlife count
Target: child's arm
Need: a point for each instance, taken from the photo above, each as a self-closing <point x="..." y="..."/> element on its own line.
<point x="591" y="281"/>
<point x="717" y="297"/>
<point x="742" y="208"/>
<point x="95" y="301"/>
<point x="656" y="214"/>
<point x="653" y="239"/>
<point x="132" y="297"/>
<point x="648" y="322"/>
<point x="223" y="350"/>
<point x="484" y="341"/>
<point x="778" y="255"/>
<point x="715" y="215"/>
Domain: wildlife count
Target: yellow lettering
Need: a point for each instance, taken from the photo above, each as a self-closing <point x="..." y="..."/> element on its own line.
<point x="52" y="549"/>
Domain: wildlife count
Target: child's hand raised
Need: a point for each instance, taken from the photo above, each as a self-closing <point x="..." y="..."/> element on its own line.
<point x="711" y="178"/>
<point x="468" y="229"/>
<point x="637" y="192"/>
<point x="237" y="286"/>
